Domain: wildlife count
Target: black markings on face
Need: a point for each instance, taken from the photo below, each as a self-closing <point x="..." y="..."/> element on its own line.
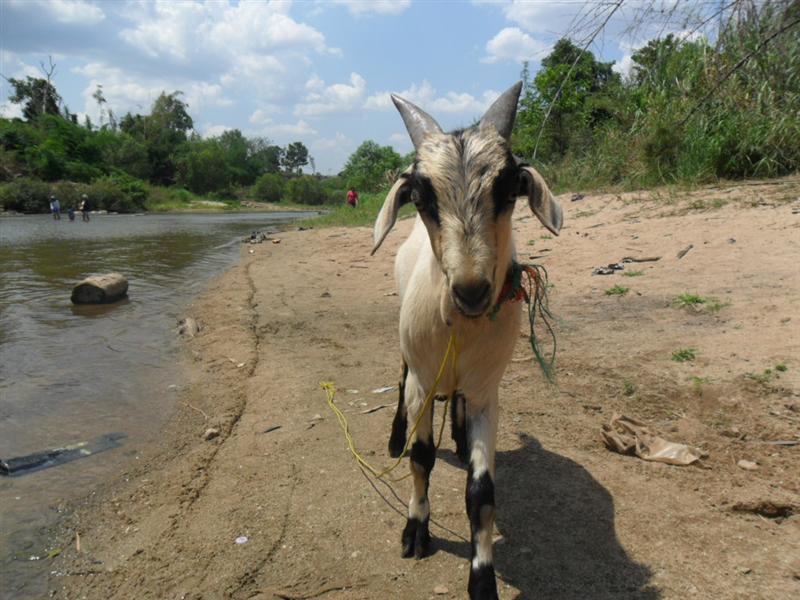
<point x="505" y="187"/>
<point x="424" y="197"/>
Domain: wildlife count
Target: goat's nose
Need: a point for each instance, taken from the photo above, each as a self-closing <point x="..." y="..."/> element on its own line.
<point x="472" y="297"/>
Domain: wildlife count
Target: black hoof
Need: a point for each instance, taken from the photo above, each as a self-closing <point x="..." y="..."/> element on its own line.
<point x="416" y="539"/>
<point x="482" y="585"/>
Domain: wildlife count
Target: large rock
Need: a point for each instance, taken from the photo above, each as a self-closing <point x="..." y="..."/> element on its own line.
<point x="100" y="289"/>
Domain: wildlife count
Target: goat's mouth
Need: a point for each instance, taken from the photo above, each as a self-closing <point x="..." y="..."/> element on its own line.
<point x="472" y="301"/>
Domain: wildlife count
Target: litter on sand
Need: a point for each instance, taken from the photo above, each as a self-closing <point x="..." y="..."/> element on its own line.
<point x="384" y="389"/>
<point x="242" y="539"/>
<point x="627" y="435"/>
<point x="375" y="409"/>
<point x="609" y="270"/>
<point x="58" y="456"/>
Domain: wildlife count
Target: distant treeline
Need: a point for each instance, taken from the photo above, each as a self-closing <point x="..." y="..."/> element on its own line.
<point x="688" y="111"/>
<point x="127" y="164"/>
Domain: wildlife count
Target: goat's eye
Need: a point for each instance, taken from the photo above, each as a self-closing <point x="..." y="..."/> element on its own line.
<point x="416" y="198"/>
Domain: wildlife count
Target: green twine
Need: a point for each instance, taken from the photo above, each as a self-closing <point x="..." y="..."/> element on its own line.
<point x="533" y="281"/>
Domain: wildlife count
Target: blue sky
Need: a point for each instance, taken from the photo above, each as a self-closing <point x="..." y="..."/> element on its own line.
<point x="315" y="71"/>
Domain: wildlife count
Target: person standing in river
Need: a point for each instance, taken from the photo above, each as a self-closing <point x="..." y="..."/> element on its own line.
<point x="84" y="208"/>
<point x="55" y="208"/>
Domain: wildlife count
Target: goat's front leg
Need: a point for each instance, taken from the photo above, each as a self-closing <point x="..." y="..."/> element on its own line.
<point x="416" y="535"/>
<point x="482" y="432"/>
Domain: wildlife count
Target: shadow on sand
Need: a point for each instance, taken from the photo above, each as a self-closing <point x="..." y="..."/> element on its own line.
<point x="558" y="524"/>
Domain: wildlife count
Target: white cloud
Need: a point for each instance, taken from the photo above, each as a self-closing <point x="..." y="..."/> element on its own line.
<point x="74" y="12"/>
<point x="543" y="17"/>
<point x="514" y="44"/>
<point x="249" y="30"/>
<point x="253" y="25"/>
<point x="10" y="110"/>
<point x="210" y="131"/>
<point x="124" y="94"/>
<point x="15" y="67"/>
<point x="339" y="142"/>
<point x="299" y="129"/>
<point x="339" y="97"/>
<point x="421" y="95"/>
<point x="401" y="142"/>
<point x="267" y="126"/>
<point x="167" y="30"/>
<point x="380" y="7"/>
<point x="425" y="97"/>
<point x="453" y="102"/>
<point x="624" y="65"/>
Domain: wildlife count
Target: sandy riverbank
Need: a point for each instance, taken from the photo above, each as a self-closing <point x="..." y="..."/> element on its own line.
<point x="574" y="520"/>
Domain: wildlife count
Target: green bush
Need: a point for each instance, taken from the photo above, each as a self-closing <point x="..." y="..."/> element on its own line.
<point x="69" y="193"/>
<point x="306" y="189"/>
<point x="268" y="188"/>
<point x="81" y="171"/>
<point x="26" y="195"/>
<point x="117" y="193"/>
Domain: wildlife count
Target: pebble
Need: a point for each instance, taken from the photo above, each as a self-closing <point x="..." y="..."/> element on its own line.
<point x="210" y="433"/>
<point x="747" y="465"/>
<point x="441" y="590"/>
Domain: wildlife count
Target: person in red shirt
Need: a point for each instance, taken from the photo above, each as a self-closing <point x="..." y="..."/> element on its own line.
<point x="352" y="197"/>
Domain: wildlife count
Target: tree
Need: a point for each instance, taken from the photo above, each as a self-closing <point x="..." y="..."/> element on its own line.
<point x="164" y="131"/>
<point x="576" y="89"/>
<point x="295" y="157"/>
<point x="269" y="187"/>
<point x="366" y="167"/>
<point x="263" y="156"/>
<point x="203" y="167"/>
<point x="102" y="105"/>
<point x="38" y="95"/>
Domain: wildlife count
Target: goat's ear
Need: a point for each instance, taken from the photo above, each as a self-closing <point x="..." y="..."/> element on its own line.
<point x="399" y="195"/>
<point x="541" y="201"/>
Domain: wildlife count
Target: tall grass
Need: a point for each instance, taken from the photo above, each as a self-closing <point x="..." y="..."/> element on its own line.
<point x="696" y="113"/>
<point x="344" y="215"/>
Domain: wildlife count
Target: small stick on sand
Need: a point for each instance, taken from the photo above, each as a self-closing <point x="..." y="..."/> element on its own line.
<point x="200" y="410"/>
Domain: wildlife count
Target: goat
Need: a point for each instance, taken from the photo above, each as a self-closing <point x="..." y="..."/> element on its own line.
<point x="450" y="272"/>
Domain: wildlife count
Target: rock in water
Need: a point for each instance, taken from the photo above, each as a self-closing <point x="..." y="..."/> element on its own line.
<point x="188" y="327"/>
<point x="100" y="289"/>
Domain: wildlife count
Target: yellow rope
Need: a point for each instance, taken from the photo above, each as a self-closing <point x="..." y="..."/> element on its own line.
<point x="330" y="391"/>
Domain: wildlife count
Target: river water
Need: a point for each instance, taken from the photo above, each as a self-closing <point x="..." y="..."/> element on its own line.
<point x="71" y="374"/>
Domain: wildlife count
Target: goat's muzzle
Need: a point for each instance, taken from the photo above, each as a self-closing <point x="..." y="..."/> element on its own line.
<point x="472" y="298"/>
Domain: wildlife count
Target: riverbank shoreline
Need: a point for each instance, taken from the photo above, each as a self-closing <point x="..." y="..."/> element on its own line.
<point x="271" y="505"/>
<point x="244" y="208"/>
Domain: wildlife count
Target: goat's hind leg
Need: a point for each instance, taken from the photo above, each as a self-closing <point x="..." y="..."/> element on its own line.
<point x="458" y="426"/>
<point x="416" y="535"/>
<point x="397" y="440"/>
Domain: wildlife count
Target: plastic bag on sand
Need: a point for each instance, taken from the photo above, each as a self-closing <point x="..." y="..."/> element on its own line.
<point x="626" y="435"/>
